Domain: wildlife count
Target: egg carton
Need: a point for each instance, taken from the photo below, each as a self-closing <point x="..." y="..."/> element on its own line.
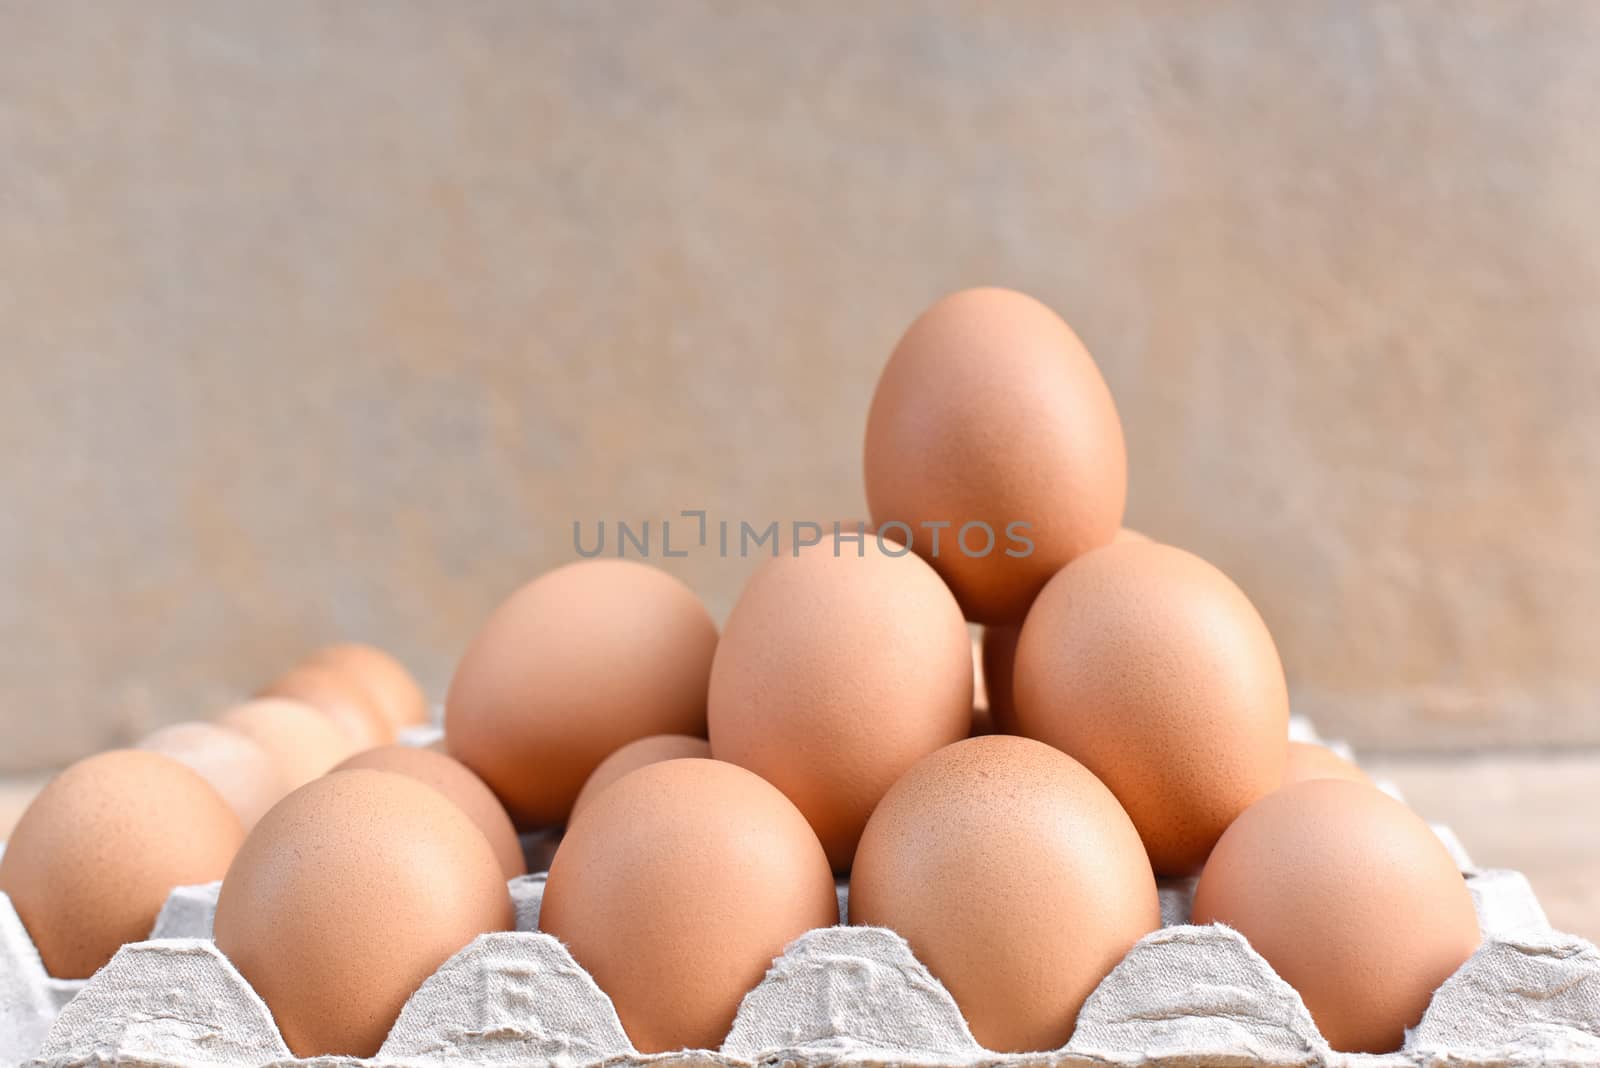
<point x="1184" y="995"/>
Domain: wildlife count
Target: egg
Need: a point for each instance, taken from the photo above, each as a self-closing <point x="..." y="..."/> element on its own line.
<point x="392" y="688"/>
<point x="303" y="742"/>
<point x="635" y="755"/>
<point x="92" y="860"/>
<point x="337" y="696"/>
<point x="237" y="766"/>
<point x="999" y="653"/>
<point x="573" y="666"/>
<point x="835" y="674"/>
<point x="1309" y="761"/>
<point x="678" y="888"/>
<point x="1151" y="668"/>
<point x="1015" y="877"/>
<point x="991" y="411"/>
<point x="346" y="896"/>
<point x="457" y="782"/>
<point x="1351" y="898"/>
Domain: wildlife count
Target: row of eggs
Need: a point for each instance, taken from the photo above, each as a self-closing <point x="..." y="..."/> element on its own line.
<point x="1138" y="701"/>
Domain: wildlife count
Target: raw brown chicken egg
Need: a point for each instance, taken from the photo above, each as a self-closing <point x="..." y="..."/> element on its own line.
<point x="1351" y="898"/>
<point x="990" y="410"/>
<point x="347" y="895"/>
<point x="392" y="688"/>
<point x="237" y="766"/>
<point x="574" y="665"/>
<point x="1309" y="761"/>
<point x="1016" y="878"/>
<point x="1150" y="667"/>
<point x="339" y="697"/>
<point x="95" y="855"/>
<point x="635" y="755"/>
<point x="303" y="741"/>
<point x="835" y="675"/>
<point x="676" y="891"/>
<point x="457" y="782"/>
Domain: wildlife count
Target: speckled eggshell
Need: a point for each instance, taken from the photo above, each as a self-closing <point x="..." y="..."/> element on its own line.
<point x="392" y="687"/>
<point x="635" y="755"/>
<point x="999" y="656"/>
<point x="237" y="766"/>
<point x="303" y="741"/>
<point x="347" y="895"/>
<point x="991" y="410"/>
<point x="573" y="666"/>
<point x="341" y="698"/>
<point x="1351" y="898"/>
<point x="457" y="782"/>
<point x="835" y="675"/>
<point x="1154" y="670"/>
<point x="1015" y="877"/>
<point x="93" y="858"/>
<point x="1308" y="760"/>
<point x="676" y="891"/>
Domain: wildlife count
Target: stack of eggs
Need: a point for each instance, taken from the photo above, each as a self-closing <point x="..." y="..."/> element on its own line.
<point x="713" y="788"/>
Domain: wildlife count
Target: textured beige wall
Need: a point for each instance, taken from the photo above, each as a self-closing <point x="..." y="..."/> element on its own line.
<point x="328" y="319"/>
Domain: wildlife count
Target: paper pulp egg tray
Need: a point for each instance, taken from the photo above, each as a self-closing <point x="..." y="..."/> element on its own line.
<point x="1184" y="995"/>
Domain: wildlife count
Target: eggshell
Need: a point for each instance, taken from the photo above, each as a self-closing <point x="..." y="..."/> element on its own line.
<point x="635" y="755"/>
<point x="395" y="691"/>
<point x="1351" y="898"/>
<point x="303" y="741"/>
<point x="1150" y="667"/>
<point x="1310" y="761"/>
<point x="237" y="766"/>
<point x="999" y="656"/>
<point x="457" y="782"/>
<point x="836" y="674"/>
<point x="339" y="697"/>
<point x="676" y="891"/>
<point x="93" y="858"/>
<point x="1015" y="877"/>
<point x="346" y="896"/>
<point x="991" y="410"/>
<point x="573" y="666"/>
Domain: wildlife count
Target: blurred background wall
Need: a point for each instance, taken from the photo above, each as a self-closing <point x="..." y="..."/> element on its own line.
<point x="328" y="319"/>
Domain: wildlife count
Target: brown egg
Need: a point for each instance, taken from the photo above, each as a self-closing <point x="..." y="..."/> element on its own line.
<point x="1351" y="898"/>
<point x="999" y="655"/>
<point x="836" y="674"/>
<point x="1150" y="667"/>
<point x="340" y="697"/>
<point x="1015" y="877"/>
<point x="573" y="666"/>
<point x="303" y="741"/>
<point x="347" y="895"/>
<point x="635" y="755"/>
<point x="676" y="891"/>
<point x="1308" y="761"/>
<point x="93" y="859"/>
<point x="395" y="691"/>
<point x="990" y="411"/>
<point x="457" y="782"/>
<point x="237" y="766"/>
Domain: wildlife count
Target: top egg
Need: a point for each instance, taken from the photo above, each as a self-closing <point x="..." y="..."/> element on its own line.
<point x="993" y="441"/>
